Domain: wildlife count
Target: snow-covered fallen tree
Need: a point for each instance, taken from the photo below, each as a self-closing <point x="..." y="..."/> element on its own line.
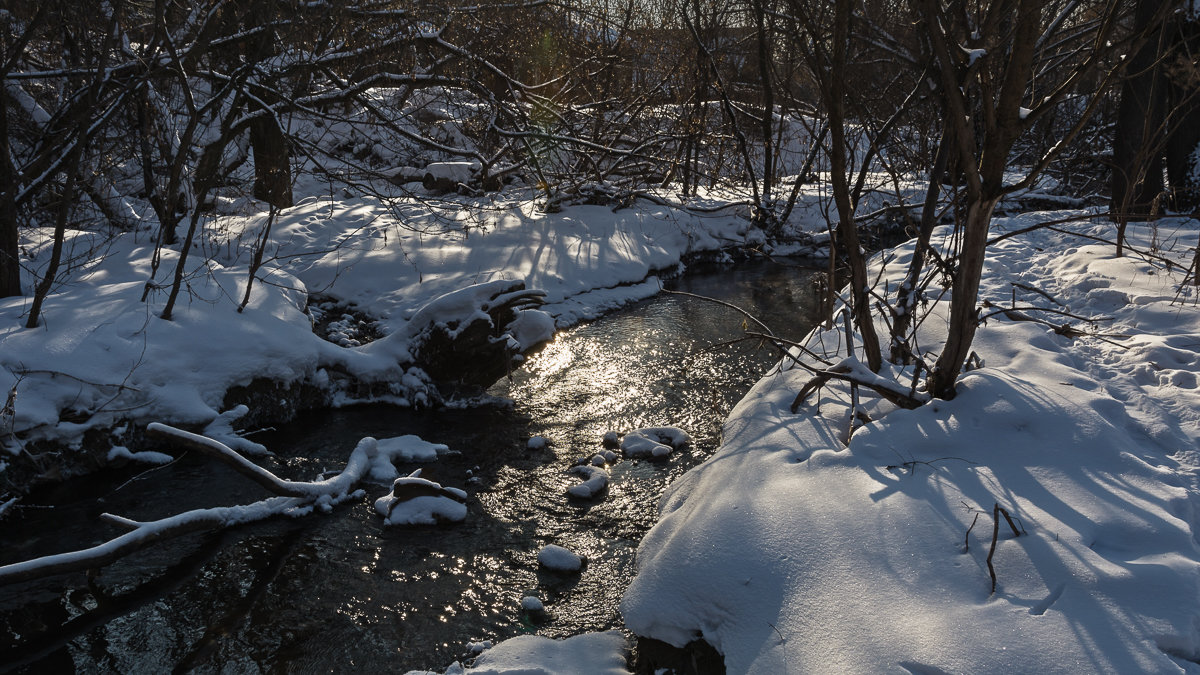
<point x="413" y="500"/>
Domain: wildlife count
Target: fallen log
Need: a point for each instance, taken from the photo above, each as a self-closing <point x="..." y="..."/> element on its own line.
<point x="293" y="498"/>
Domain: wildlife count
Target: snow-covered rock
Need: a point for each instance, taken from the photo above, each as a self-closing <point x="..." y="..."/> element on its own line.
<point x="595" y="481"/>
<point x="558" y="559"/>
<point x="654" y="442"/>
<point x="417" y="501"/>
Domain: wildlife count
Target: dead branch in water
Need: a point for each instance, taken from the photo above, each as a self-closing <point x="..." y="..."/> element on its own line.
<point x="293" y="498"/>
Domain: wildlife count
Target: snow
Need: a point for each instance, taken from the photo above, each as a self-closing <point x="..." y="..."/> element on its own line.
<point x="654" y="442"/>
<point x="406" y="448"/>
<point x="556" y="558"/>
<point x="459" y="172"/>
<point x="532" y="604"/>
<point x="450" y="507"/>
<point x="588" y="654"/>
<point x="105" y="357"/>
<point x="790" y="551"/>
<point x="595" y="481"/>
<point x="973" y="55"/>
<point x="147" y="456"/>
<point x="221" y="429"/>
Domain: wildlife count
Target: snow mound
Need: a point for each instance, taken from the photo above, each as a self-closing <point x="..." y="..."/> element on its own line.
<point x="654" y="442"/>
<point x="588" y="654"/>
<point x="406" y="448"/>
<point x="595" y="481"/>
<point x="417" y="501"/>
<point x="147" y="456"/>
<point x="221" y="429"/>
<point x="559" y="559"/>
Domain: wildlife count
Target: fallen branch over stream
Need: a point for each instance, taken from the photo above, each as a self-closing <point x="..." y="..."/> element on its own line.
<point x="293" y="499"/>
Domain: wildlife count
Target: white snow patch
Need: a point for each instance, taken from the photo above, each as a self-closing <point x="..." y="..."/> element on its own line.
<point x="406" y="448"/>
<point x="147" y="456"/>
<point x="221" y="429"/>
<point x="587" y="654"/>
<point x="789" y="550"/>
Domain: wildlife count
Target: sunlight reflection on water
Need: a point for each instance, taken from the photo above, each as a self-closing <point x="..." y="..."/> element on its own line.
<point x="321" y="592"/>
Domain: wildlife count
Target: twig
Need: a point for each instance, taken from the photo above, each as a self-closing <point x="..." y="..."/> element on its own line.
<point x="992" y="551"/>
<point x="797" y="345"/>
<point x="1018" y="313"/>
<point x="52" y="373"/>
<point x="1039" y="291"/>
<point x="842" y="372"/>
<point x="730" y="305"/>
<point x="997" y="511"/>
<point x="1011" y="524"/>
<point x="967" y="536"/>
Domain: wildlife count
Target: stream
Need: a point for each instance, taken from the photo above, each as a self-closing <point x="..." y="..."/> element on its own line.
<point x="339" y="592"/>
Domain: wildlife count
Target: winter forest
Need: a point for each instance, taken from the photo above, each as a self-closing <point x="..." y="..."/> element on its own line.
<point x="600" y="337"/>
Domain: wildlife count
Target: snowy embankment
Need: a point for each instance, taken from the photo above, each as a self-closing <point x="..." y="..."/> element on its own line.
<point x="102" y="357"/>
<point x="790" y="551"/>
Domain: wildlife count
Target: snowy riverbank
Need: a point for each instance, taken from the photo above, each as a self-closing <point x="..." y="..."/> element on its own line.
<point x="103" y="361"/>
<point x="790" y="551"/>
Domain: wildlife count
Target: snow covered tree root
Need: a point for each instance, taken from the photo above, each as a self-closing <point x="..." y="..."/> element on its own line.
<point x="293" y="499"/>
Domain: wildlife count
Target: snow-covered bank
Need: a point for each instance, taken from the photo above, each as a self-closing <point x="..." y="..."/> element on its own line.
<point x="103" y="359"/>
<point x="789" y="551"/>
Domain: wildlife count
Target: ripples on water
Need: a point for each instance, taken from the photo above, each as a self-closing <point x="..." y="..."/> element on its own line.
<point x="338" y="591"/>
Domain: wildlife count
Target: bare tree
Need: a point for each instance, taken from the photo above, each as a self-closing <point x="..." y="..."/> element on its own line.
<point x="992" y="58"/>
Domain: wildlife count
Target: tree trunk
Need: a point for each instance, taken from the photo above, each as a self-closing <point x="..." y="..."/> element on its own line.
<point x="272" y="171"/>
<point x="1140" y="131"/>
<point x="10" y="261"/>
<point x="847" y="228"/>
<point x="964" y="315"/>
<point x="1183" y="127"/>
<point x="71" y="170"/>
<point x="768" y="93"/>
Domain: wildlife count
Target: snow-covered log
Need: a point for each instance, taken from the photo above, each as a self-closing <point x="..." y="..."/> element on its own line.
<point x="294" y="499"/>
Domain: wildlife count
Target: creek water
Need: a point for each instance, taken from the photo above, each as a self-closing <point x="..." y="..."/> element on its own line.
<point x="338" y="591"/>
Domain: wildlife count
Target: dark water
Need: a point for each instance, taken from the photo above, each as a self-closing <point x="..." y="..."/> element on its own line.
<point x="338" y="591"/>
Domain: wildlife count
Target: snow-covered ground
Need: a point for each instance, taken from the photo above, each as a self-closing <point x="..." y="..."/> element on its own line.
<point x="101" y="356"/>
<point x="790" y="551"/>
